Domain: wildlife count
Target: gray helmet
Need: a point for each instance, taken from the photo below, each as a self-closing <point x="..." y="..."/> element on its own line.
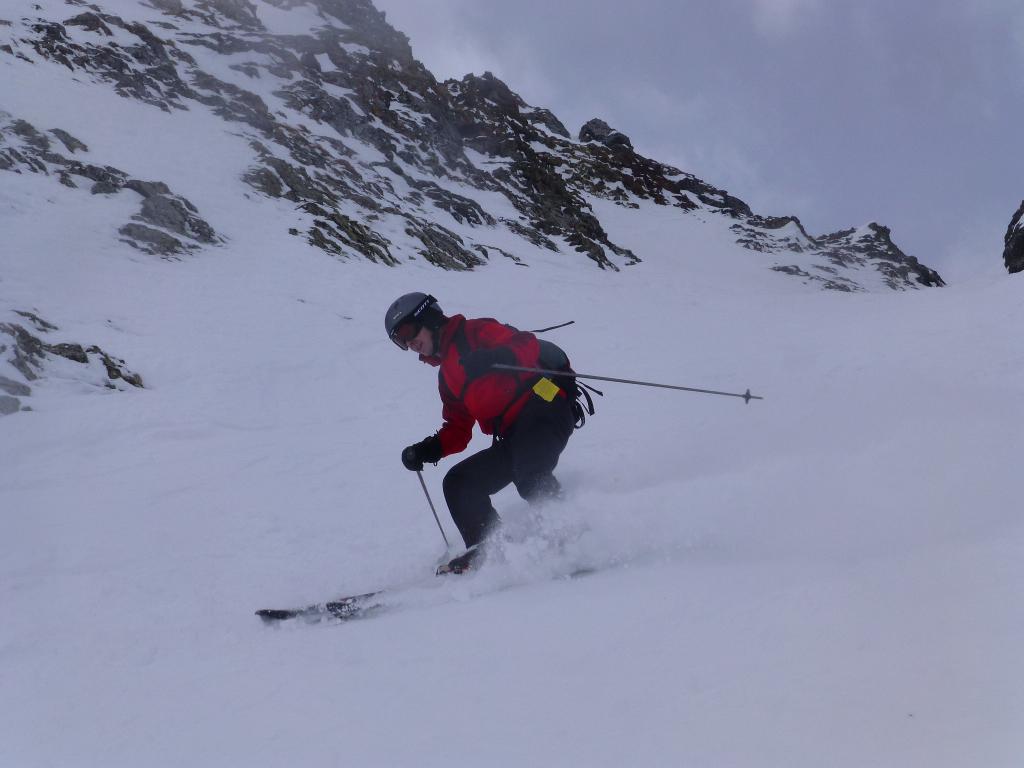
<point x="408" y="313"/>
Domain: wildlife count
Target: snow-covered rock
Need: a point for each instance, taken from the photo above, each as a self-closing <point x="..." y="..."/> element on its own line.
<point x="25" y="357"/>
<point x="599" y="130"/>
<point x="166" y="225"/>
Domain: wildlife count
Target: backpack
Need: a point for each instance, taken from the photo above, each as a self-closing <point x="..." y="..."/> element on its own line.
<point x="553" y="358"/>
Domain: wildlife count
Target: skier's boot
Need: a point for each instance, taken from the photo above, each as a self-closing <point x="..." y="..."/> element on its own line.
<point x="471" y="558"/>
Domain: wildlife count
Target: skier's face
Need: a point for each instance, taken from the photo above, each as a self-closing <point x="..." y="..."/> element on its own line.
<point x="423" y="342"/>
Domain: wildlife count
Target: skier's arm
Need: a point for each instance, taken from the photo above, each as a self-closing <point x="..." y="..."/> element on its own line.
<point x="457" y="430"/>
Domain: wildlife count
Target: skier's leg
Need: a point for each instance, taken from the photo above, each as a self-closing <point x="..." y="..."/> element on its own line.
<point x="540" y="435"/>
<point x="468" y="488"/>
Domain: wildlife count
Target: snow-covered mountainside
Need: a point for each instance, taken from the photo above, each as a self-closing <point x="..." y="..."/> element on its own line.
<point x="206" y="208"/>
<point x="1013" y="253"/>
<point x="142" y="109"/>
<point x="379" y="159"/>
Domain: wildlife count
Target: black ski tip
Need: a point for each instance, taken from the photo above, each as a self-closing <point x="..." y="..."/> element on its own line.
<point x="275" y="614"/>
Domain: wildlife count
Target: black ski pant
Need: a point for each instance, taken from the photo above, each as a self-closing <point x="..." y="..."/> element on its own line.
<point x="526" y="456"/>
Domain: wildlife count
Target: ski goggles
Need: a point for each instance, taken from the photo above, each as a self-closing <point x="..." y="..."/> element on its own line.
<point x="404" y="333"/>
<point x="411" y="324"/>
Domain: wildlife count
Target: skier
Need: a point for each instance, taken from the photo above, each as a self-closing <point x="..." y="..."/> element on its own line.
<point x="530" y="416"/>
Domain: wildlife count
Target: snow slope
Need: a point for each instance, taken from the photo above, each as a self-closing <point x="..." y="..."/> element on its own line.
<point x="830" y="576"/>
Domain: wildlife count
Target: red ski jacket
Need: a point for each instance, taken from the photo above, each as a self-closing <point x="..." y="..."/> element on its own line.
<point x="493" y="400"/>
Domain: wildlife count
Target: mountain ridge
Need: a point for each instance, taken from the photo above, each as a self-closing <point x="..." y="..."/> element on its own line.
<point x="345" y="123"/>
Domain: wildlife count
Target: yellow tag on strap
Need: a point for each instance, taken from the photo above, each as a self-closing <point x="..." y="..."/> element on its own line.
<point x="546" y="389"/>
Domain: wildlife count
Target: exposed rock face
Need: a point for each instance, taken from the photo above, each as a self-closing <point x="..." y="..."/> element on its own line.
<point x="398" y="164"/>
<point x="11" y="392"/>
<point x="9" y="405"/>
<point x="30" y="356"/>
<point x="869" y="246"/>
<point x="1013" y="254"/>
<point x="168" y="224"/>
<point x="15" y="388"/>
<point x="599" y="130"/>
<point x="496" y="123"/>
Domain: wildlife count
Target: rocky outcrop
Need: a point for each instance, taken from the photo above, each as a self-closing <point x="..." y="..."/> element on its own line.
<point x="873" y="245"/>
<point x="27" y="355"/>
<point x="837" y="254"/>
<point x="167" y="224"/>
<point x="12" y="391"/>
<point x="497" y="123"/>
<point x="599" y="130"/>
<point x="1013" y="253"/>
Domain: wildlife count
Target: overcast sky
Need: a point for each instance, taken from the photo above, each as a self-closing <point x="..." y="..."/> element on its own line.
<point x="905" y="112"/>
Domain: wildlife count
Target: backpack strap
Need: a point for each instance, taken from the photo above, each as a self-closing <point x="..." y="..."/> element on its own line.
<point x="462" y="345"/>
<point x="460" y="341"/>
<point x="581" y="394"/>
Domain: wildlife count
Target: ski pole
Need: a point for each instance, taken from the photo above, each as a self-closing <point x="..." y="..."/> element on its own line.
<point x="431" y="503"/>
<point x="747" y="397"/>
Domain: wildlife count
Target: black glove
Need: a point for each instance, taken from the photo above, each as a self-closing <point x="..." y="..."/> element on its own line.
<point x="479" y="362"/>
<point x="415" y="455"/>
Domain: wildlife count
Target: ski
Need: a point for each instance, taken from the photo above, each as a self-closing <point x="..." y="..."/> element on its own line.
<point x="369" y="603"/>
<point x="355" y="606"/>
<point x="342" y="609"/>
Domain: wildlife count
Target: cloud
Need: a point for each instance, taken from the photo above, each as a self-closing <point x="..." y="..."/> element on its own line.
<point x="454" y="38"/>
<point x="780" y="18"/>
<point x="440" y="36"/>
